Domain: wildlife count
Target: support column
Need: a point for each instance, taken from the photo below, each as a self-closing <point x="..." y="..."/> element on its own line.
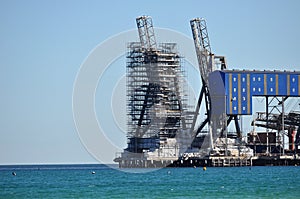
<point x="267" y="122"/>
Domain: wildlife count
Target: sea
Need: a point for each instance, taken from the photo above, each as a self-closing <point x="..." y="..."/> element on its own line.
<point x="107" y="181"/>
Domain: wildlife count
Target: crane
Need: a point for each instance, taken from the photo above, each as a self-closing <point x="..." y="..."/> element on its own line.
<point x="205" y="57"/>
<point x="207" y="62"/>
<point x="202" y="46"/>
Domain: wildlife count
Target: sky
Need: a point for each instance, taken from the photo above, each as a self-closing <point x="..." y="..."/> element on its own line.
<point x="45" y="43"/>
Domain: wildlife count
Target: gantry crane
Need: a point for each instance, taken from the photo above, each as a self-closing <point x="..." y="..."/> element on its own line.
<point x="207" y="62"/>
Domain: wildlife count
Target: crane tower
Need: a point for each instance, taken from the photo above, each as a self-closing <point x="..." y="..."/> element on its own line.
<point x="208" y="62"/>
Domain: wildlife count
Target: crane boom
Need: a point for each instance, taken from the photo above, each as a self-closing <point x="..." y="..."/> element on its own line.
<point x="202" y="46"/>
<point x="146" y="33"/>
<point x="205" y="57"/>
<point x="208" y="63"/>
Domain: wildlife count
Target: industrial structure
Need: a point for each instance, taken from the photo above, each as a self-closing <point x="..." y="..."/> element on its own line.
<point x="163" y="131"/>
<point x="158" y="116"/>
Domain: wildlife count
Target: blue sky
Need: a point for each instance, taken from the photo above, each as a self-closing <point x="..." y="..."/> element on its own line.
<point x="44" y="43"/>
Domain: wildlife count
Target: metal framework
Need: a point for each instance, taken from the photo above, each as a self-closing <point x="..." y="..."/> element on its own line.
<point x="162" y="130"/>
<point x="156" y="96"/>
<point x="207" y="63"/>
<point x="202" y="46"/>
<point x="285" y="124"/>
<point x="203" y="52"/>
<point x="146" y="33"/>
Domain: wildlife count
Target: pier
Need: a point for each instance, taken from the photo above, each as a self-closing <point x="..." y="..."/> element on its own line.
<point x="164" y="130"/>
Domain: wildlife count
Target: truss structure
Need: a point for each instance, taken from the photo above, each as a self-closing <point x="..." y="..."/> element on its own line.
<point x="157" y="102"/>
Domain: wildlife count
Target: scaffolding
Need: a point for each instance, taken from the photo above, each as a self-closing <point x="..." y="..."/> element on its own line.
<point x="156" y="96"/>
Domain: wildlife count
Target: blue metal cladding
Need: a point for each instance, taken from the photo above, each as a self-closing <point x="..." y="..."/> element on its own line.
<point x="293" y="87"/>
<point x="282" y="89"/>
<point x="241" y="86"/>
<point x="270" y="87"/>
<point x="237" y="88"/>
<point x="217" y="97"/>
<point x="275" y="84"/>
<point x="257" y="84"/>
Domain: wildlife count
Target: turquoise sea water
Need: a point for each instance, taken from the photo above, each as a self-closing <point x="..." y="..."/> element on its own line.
<point x="77" y="181"/>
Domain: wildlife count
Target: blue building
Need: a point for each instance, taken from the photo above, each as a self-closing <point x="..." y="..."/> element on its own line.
<point x="232" y="90"/>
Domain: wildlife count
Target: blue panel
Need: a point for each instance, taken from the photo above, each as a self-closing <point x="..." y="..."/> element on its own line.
<point x="243" y="97"/>
<point x="282" y="85"/>
<point x="226" y="83"/>
<point x="227" y="93"/>
<point x="217" y="90"/>
<point x="294" y="85"/>
<point x="234" y="94"/>
<point x="271" y="84"/>
<point x="223" y="77"/>
<point x="257" y="84"/>
<point x="238" y="93"/>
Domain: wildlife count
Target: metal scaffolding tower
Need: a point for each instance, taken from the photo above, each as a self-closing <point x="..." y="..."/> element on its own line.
<point x="156" y="97"/>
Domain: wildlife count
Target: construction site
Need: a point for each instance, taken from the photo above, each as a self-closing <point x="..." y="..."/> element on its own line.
<point x="164" y="130"/>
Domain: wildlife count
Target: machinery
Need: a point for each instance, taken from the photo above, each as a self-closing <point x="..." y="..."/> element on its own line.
<point x="208" y="62"/>
<point x="161" y="129"/>
<point x="216" y="118"/>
